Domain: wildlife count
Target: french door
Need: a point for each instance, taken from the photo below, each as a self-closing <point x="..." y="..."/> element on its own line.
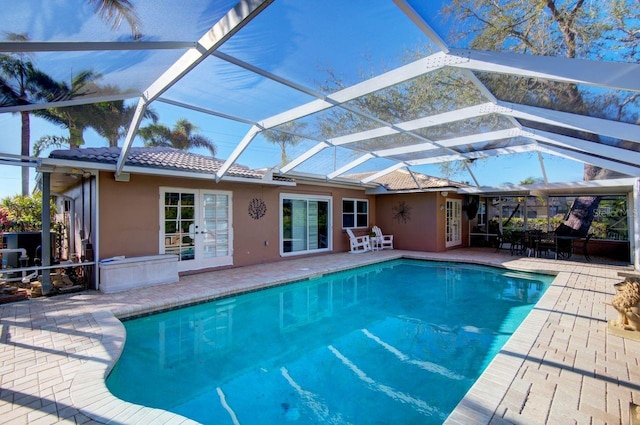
<point x="453" y="222"/>
<point x="196" y="226"/>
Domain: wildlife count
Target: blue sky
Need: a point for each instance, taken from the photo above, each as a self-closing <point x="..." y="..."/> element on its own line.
<point x="351" y="38"/>
<point x="493" y="171"/>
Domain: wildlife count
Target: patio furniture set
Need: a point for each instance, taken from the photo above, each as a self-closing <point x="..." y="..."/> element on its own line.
<point x="536" y="243"/>
<point x="377" y="241"/>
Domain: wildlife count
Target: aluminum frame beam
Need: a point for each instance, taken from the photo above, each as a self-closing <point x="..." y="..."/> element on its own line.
<point x="384" y="172"/>
<point x="454" y="141"/>
<point x="604" y="127"/>
<point x="407" y="127"/>
<point x="474" y="155"/>
<point x="590" y="159"/>
<point x="81" y="46"/>
<point x="612" y="75"/>
<point x="396" y="76"/>
<point x="588" y="147"/>
<point x="241" y="14"/>
<point x="71" y="102"/>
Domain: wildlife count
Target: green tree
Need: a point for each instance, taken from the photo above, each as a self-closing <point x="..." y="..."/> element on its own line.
<point x="283" y="136"/>
<point x="182" y="136"/>
<point x="574" y="29"/>
<point x="428" y="94"/>
<point x="21" y="83"/>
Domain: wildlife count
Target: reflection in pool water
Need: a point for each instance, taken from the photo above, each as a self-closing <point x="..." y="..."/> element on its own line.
<point x="398" y="342"/>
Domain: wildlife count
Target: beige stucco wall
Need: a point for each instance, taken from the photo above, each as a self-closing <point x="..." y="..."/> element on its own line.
<point x="424" y="229"/>
<point x="129" y="215"/>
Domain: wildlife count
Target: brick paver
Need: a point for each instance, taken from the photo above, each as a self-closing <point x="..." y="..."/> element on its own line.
<point x="561" y="366"/>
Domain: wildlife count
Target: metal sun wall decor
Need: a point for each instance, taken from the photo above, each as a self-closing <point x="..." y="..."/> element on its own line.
<point x="402" y="212"/>
<point x="257" y="208"/>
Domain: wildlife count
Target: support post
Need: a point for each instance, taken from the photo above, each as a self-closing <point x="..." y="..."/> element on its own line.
<point x="634" y="234"/>
<point x="46" y="232"/>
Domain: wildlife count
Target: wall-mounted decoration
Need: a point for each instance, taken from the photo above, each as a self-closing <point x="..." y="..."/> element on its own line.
<point x="257" y="208"/>
<point x="402" y="212"/>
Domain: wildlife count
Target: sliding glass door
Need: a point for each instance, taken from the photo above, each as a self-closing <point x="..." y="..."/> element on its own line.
<point x="305" y="224"/>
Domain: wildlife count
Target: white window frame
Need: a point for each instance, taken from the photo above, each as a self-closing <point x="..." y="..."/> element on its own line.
<point x="355" y="213"/>
<point x="297" y="196"/>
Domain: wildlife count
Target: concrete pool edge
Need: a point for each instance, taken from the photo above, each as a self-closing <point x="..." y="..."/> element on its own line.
<point x="491" y="387"/>
<point x="92" y="397"/>
<point x="89" y="391"/>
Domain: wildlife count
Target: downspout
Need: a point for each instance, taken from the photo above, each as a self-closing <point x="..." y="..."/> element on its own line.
<point x="72" y="224"/>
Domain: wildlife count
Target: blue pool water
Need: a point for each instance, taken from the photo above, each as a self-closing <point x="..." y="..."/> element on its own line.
<point x="398" y="342"/>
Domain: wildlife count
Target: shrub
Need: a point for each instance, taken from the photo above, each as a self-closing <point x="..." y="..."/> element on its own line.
<point x="22" y="214"/>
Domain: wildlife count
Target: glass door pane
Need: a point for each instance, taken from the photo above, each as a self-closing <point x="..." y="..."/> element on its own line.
<point x="299" y="225"/>
<point x="179" y="225"/>
<point x="453" y="222"/>
<point x="305" y="225"/>
<point x="215" y="225"/>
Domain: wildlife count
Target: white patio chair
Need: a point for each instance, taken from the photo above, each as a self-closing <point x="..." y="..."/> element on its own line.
<point x="382" y="241"/>
<point x="358" y="243"/>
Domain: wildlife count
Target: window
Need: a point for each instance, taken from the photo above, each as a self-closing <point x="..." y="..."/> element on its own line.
<point x="482" y="212"/>
<point x="355" y="213"/>
<point x="305" y="224"/>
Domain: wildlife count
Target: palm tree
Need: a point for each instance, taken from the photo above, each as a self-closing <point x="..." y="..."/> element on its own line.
<point x="532" y="180"/>
<point x="284" y="138"/>
<point x="21" y="83"/>
<point x="180" y="137"/>
<point x="74" y="118"/>
<point x="112" y="119"/>
<point x="115" y="11"/>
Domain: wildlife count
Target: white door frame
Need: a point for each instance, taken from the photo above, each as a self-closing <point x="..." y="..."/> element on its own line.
<point x="453" y="222"/>
<point x="199" y="234"/>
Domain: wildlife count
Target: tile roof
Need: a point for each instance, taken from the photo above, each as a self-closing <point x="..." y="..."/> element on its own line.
<point x="157" y="157"/>
<point x="402" y="180"/>
<point x="163" y="158"/>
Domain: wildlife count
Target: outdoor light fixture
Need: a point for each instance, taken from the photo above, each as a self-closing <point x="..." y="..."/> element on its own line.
<point x="441" y="207"/>
<point x="444" y="193"/>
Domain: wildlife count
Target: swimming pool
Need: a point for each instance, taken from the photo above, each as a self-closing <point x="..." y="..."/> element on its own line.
<point x="398" y="342"/>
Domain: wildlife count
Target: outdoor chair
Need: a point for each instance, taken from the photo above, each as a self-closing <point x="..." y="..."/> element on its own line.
<point x="517" y="241"/>
<point x="380" y="241"/>
<point x="501" y="241"/>
<point x="358" y="244"/>
<point x="546" y="242"/>
<point x="531" y="238"/>
<point x="581" y="248"/>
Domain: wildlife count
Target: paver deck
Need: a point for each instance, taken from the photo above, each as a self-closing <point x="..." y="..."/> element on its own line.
<point x="560" y="367"/>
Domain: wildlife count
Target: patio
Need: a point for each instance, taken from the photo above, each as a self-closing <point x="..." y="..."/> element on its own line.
<point x="561" y="366"/>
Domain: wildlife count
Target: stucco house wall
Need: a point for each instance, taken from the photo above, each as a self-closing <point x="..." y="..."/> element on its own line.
<point x="422" y="226"/>
<point x="129" y="215"/>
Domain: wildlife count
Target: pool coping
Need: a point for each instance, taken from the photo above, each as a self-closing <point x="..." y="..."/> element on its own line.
<point x="492" y="385"/>
<point x="95" y="400"/>
<point x="89" y="394"/>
